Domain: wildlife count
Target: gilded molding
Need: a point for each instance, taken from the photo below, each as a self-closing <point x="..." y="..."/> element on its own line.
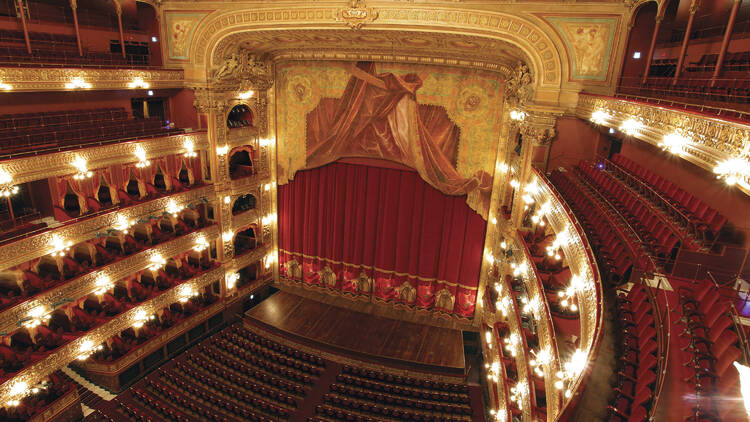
<point x="713" y="140"/>
<point x="246" y="218"/>
<point x="250" y="184"/>
<point x="27" y="249"/>
<point x="518" y="30"/>
<point x="242" y="261"/>
<point x="82" y="286"/>
<point x="69" y="352"/>
<point x="126" y="361"/>
<point x="28" y="169"/>
<point x="54" y="79"/>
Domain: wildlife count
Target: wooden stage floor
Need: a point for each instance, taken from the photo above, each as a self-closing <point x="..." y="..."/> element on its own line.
<point x="360" y="334"/>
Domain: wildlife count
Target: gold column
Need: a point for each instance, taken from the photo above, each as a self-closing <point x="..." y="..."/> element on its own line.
<point x="725" y="42"/>
<point x="74" y="8"/>
<point x="22" y="12"/>
<point x="694" y="6"/>
<point x="650" y="55"/>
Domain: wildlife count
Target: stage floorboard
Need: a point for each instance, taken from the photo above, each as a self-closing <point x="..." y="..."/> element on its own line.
<point x="359" y="333"/>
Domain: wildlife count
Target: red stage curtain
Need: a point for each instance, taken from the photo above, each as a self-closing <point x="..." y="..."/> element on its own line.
<point x="381" y="231"/>
<point x="378" y="117"/>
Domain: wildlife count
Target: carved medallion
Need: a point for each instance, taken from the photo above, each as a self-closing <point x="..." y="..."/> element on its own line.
<point x="355" y="16"/>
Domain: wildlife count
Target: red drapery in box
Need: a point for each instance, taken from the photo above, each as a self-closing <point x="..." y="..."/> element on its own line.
<point x="381" y="231"/>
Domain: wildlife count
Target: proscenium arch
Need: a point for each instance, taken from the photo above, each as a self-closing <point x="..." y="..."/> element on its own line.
<point x="531" y="37"/>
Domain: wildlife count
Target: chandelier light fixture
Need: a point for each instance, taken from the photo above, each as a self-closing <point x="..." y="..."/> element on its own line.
<point x="103" y="284"/>
<point x="156" y="262"/>
<point x="87" y="349"/>
<point x="173" y="208"/>
<point x="59" y="246"/>
<point x="600" y="117"/>
<point x="7" y="188"/>
<point x="201" y="244"/>
<point x="190" y="149"/>
<point x="734" y="171"/>
<point x="82" y="169"/>
<point x="675" y="142"/>
<point x="138" y="83"/>
<point x="232" y="280"/>
<point x="140" y="154"/>
<point x="518" y="115"/>
<point x="631" y="127"/>
<point x="5" y="87"/>
<point x="77" y="83"/>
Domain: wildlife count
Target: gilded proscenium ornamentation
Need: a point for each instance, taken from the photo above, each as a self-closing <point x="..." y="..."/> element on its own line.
<point x="243" y="67"/>
<point x="55" y="79"/>
<point x="81" y="286"/>
<point x="356" y="15"/>
<point x="712" y="140"/>
<point x="519" y="88"/>
<point x="69" y="352"/>
<point x="28" y="169"/>
<point x="32" y="247"/>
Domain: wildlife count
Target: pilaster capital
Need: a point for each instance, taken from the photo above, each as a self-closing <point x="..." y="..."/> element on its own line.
<point x="118" y="7"/>
<point x="208" y="100"/>
<point x="74" y="4"/>
<point x="538" y="128"/>
<point x="694" y="6"/>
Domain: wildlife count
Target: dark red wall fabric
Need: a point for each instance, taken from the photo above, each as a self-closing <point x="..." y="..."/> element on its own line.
<point x="363" y="229"/>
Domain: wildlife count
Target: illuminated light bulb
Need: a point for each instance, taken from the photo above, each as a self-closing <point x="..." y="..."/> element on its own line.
<point x="227" y="235"/>
<point x="559" y="384"/>
<point x="19" y="388"/>
<point x="140" y="154"/>
<point x="122" y="223"/>
<point x="503" y="245"/>
<point x="504" y="306"/>
<point x="77" y="83"/>
<point x="267" y="187"/>
<point x="577" y="364"/>
<point x="515" y="184"/>
<point x="675" y="143"/>
<point x="138" y="83"/>
<point x="488" y="256"/>
<point x="190" y="149"/>
<point x="744" y="384"/>
<point x="600" y="117"/>
<point x="493" y="220"/>
<point x="733" y="171"/>
<point x="518" y="115"/>
<point x="222" y="150"/>
<point x="502" y="167"/>
<point x="82" y="166"/>
<point x="201" y="244"/>
<point x="103" y="284"/>
<point x="156" y="262"/>
<point x="488" y="336"/>
<point x="185" y="293"/>
<point x="59" y="246"/>
<point x="245" y="95"/>
<point x="140" y="318"/>
<point x="227" y="199"/>
<point x="631" y="127"/>
<point x="173" y="208"/>
<point x="528" y="199"/>
<point x="6" y="185"/>
<point x="232" y="280"/>
<point x="6" y="87"/>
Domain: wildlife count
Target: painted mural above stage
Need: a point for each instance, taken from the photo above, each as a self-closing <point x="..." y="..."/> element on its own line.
<point x="443" y="122"/>
<point x="589" y="42"/>
<point x="180" y="28"/>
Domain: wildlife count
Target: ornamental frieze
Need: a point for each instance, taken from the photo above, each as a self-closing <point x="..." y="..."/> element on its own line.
<point x="50" y="79"/>
<point x="28" y="169"/>
<point x="32" y="247"/>
<point x="69" y="352"/>
<point x="82" y="286"/>
<point x="251" y="257"/>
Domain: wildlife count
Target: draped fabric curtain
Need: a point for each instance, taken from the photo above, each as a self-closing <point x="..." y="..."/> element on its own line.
<point x="382" y="232"/>
<point x="378" y="117"/>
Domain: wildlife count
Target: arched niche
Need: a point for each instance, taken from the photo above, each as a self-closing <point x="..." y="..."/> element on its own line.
<point x="243" y="203"/>
<point x="240" y="116"/>
<point x="245" y="240"/>
<point x="241" y="162"/>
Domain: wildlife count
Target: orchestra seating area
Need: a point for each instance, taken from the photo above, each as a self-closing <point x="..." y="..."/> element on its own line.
<point x="239" y="375"/>
<point x="68" y="129"/>
<point x="60" y="49"/>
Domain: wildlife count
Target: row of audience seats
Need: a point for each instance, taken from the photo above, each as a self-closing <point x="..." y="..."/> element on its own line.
<point x="616" y="251"/>
<point x="733" y="62"/>
<point x="62" y="49"/>
<point x="709" y="345"/>
<point x="652" y="225"/>
<point x="638" y="364"/>
<point x="20" y="133"/>
<point x="724" y="90"/>
<point x="707" y="220"/>
<point x="33" y="405"/>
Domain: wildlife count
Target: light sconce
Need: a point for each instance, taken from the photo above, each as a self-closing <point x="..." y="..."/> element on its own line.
<point x="185" y="293"/>
<point x="504" y="305"/>
<point x="512" y="344"/>
<point x="173" y="208"/>
<point x="77" y="83"/>
<point x="103" y="284"/>
<point x="82" y="166"/>
<point x="190" y="149"/>
<point x="139" y="83"/>
<point x="571" y="370"/>
<point x="494" y="371"/>
<point x="122" y="224"/>
<point x="140" y="318"/>
<point x="227" y="199"/>
<point x="37" y="316"/>
<point x="6" y="185"/>
<point x="500" y="415"/>
<point x="265" y="142"/>
<point x="5" y="87"/>
<point x="87" y="349"/>
<point x="18" y="390"/>
<point x="222" y="150"/>
<point x="518" y="115"/>
<point x="600" y="117"/>
<point x="539" y="360"/>
<point x="519" y="392"/>
<point x="488" y="256"/>
<point x="532" y="306"/>
<point x="493" y="220"/>
<point x="268" y="219"/>
<point x="675" y="143"/>
<point x="515" y="184"/>
<point x="267" y="187"/>
<point x="232" y="280"/>
<point x="156" y="262"/>
<point x="631" y="127"/>
<point x="733" y="171"/>
<point x="59" y="246"/>
<point x="201" y="244"/>
<point x="502" y="167"/>
<point x="519" y="269"/>
<point x="245" y="95"/>
<point x="270" y="259"/>
<point x="503" y="245"/>
<point x="140" y="154"/>
<point x="227" y="236"/>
